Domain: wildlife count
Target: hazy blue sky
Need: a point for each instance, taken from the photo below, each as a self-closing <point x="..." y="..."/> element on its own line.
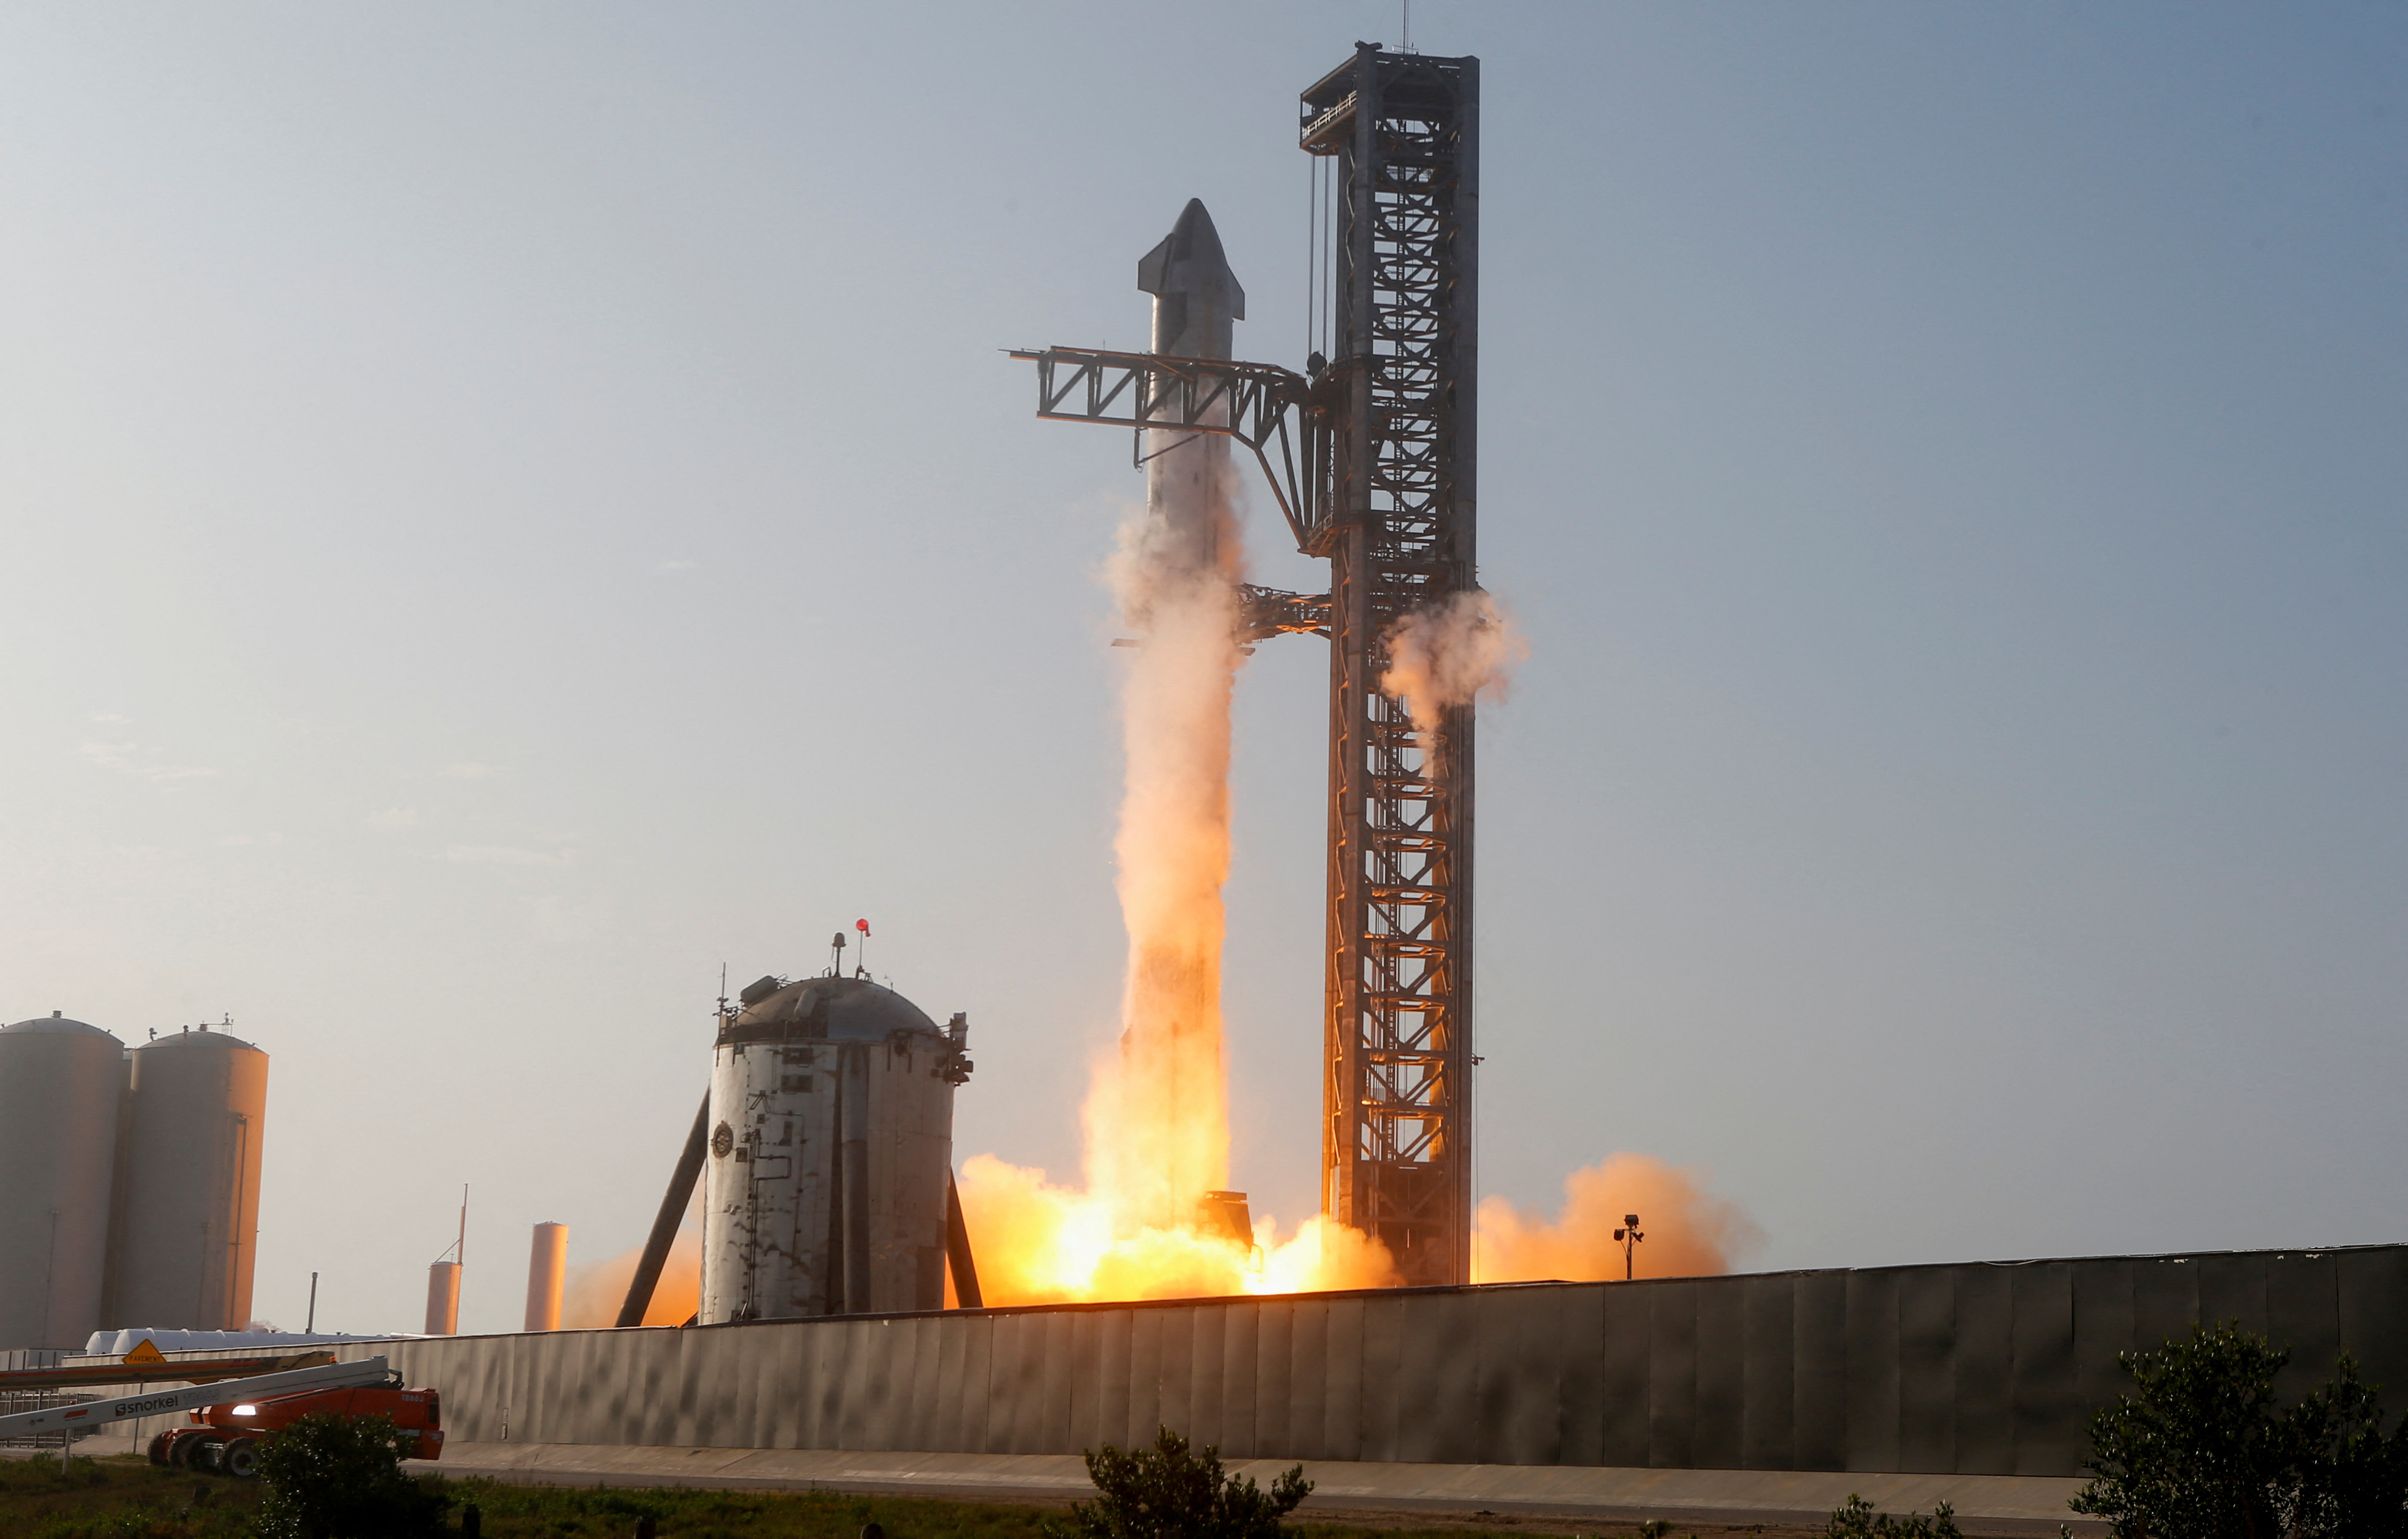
<point x="505" y="509"/>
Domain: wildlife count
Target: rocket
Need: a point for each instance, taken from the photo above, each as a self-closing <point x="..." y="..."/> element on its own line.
<point x="1189" y="492"/>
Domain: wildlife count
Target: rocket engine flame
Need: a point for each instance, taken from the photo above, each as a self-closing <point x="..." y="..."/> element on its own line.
<point x="1039" y="1243"/>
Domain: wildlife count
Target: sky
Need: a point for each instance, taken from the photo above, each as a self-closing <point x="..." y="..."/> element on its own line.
<point x="505" y="510"/>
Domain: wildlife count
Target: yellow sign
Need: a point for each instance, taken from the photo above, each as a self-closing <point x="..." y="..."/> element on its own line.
<point x="146" y="1353"/>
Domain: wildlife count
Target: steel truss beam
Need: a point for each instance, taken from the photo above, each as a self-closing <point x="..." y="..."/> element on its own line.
<point x="1253" y="402"/>
<point x="1268" y="612"/>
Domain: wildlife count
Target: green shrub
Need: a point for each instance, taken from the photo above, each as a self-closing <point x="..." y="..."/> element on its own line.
<point x="1171" y="1492"/>
<point x="340" y="1477"/>
<point x="2353" y="1480"/>
<point x="2199" y="1450"/>
<point x="1855" y="1520"/>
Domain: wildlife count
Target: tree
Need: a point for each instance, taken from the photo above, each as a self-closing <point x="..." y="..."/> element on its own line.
<point x="1170" y="1491"/>
<point x="2353" y="1480"/>
<point x="2198" y="1449"/>
<point x="340" y="1477"/>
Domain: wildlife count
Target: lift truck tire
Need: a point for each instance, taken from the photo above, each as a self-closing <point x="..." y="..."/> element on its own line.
<point x="239" y="1457"/>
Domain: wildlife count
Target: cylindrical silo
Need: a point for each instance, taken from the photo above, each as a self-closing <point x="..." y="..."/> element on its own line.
<point x="831" y="1151"/>
<point x="547" y="1270"/>
<point x="60" y="1085"/>
<point x="188" y="1184"/>
<point x="443" y="1299"/>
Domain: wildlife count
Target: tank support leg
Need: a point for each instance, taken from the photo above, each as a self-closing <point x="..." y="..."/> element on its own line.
<point x="957" y="1249"/>
<point x="665" y="1226"/>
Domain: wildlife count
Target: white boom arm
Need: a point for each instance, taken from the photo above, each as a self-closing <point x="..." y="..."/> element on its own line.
<point x="99" y="1412"/>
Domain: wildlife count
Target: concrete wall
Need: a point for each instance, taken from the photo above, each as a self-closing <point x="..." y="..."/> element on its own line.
<point x="1982" y="1369"/>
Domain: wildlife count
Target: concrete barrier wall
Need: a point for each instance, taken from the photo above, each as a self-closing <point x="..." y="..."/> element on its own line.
<point x="1982" y="1369"/>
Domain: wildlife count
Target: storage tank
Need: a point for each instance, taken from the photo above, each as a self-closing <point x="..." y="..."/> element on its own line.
<point x="188" y="1184"/>
<point x="443" y="1299"/>
<point x="60" y="1084"/>
<point x="547" y="1273"/>
<point x="830" y="1154"/>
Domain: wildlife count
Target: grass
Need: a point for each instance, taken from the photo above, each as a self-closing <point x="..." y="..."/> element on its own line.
<point x="120" y="1499"/>
<point x="131" y="1498"/>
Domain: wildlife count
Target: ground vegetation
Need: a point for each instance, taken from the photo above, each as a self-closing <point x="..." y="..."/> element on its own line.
<point x="1174" y="1491"/>
<point x="329" y="1476"/>
<point x="1855" y="1518"/>
<point x="131" y="1498"/>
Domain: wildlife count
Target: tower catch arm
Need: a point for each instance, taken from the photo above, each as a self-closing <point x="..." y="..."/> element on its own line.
<point x="1251" y="403"/>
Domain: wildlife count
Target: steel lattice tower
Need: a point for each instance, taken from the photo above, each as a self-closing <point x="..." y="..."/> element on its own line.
<point x="1370" y="456"/>
<point x="1403" y="131"/>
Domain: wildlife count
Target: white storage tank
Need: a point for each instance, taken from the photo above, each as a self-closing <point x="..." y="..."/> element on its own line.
<point x="830" y="1154"/>
<point x="187" y="1206"/>
<point x="60" y="1085"/>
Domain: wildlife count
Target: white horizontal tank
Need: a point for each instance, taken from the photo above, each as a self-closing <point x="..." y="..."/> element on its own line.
<point x="60" y="1085"/>
<point x="830" y="1153"/>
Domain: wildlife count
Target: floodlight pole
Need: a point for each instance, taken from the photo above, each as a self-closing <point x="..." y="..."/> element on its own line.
<point x="1629" y="1236"/>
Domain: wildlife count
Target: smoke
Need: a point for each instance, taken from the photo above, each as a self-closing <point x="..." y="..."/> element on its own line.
<point x="594" y="1292"/>
<point x="1443" y="656"/>
<point x="1157" y="1121"/>
<point x="1690" y="1234"/>
<point x="1324" y="1254"/>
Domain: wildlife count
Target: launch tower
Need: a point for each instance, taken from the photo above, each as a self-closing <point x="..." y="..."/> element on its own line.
<point x="1370" y="455"/>
<point x="1403" y="132"/>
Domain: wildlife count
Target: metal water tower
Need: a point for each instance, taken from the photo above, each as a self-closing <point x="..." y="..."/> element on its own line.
<point x="829" y="1165"/>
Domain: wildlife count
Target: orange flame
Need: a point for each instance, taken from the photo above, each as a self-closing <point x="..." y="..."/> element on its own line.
<point x="1039" y="1243"/>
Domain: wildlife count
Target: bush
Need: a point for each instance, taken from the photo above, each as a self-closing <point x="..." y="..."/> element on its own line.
<point x="340" y="1477"/>
<point x="2353" y="1480"/>
<point x="2198" y="1449"/>
<point x="1857" y="1520"/>
<point x="1171" y="1492"/>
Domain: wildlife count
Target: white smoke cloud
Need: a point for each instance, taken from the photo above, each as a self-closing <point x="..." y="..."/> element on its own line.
<point x="1445" y="655"/>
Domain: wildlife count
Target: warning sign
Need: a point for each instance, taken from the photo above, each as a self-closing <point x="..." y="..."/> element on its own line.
<point x="146" y="1353"/>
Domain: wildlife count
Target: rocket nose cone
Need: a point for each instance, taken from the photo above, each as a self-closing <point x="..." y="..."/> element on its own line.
<point x="1194" y="239"/>
<point x="1190" y="261"/>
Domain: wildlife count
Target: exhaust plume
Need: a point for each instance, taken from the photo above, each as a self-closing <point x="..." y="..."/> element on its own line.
<point x="1443" y="656"/>
<point x="1691" y="1233"/>
<point x="1156" y="1116"/>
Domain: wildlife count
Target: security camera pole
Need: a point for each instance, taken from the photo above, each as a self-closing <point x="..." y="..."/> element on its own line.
<point x="1629" y="1236"/>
